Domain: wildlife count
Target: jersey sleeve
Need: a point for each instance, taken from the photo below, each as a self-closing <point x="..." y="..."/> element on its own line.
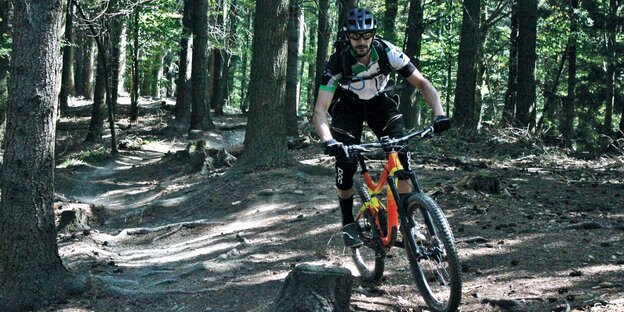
<point x="332" y="74"/>
<point x="399" y="60"/>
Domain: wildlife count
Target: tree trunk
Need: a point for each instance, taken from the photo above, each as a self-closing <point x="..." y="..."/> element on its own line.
<point x="464" y="110"/>
<point x="450" y="57"/>
<point x="168" y="67"/>
<point x="311" y="65"/>
<point x="389" y="21"/>
<point x="200" y="117"/>
<point x="244" y="103"/>
<point x="96" y="125"/>
<point x="323" y="42"/>
<point x="611" y="39"/>
<point x="292" y="72"/>
<point x="123" y="42"/>
<point x="117" y="29"/>
<point x="31" y="271"/>
<point x="157" y="75"/>
<point x="344" y="7"/>
<point x="265" y="137"/>
<point x="232" y="59"/>
<point x="509" y="112"/>
<point x="218" y="85"/>
<point x="527" y="34"/>
<point x="414" y="31"/>
<point x="134" y="94"/>
<point x="183" y="92"/>
<point x="67" y="80"/>
<point x="89" y="64"/>
<point x="568" y="111"/>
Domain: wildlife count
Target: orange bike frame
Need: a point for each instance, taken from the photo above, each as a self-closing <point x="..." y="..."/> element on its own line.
<point x="374" y="205"/>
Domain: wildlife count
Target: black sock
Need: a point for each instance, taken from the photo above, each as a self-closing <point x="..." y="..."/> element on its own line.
<point x="346" y="207"/>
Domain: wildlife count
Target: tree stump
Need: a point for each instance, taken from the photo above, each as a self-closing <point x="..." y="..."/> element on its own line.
<point x="315" y="289"/>
<point x="72" y="216"/>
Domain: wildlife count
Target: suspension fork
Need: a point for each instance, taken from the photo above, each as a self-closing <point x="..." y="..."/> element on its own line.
<point x="411" y="174"/>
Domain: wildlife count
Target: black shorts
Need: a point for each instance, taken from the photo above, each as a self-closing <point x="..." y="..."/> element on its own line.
<point x="349" y="113"/>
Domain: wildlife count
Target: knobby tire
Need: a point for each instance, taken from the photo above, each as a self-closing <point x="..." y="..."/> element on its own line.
<point x="422" y="207"/>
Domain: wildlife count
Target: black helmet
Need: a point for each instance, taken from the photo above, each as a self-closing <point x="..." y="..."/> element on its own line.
<point x="360" y="19"/>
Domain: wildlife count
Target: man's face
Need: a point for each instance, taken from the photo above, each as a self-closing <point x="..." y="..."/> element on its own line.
<point x="361" y="42"/>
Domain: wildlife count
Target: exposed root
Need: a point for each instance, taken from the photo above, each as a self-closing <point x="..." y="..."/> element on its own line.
<point x="161" y="231"/>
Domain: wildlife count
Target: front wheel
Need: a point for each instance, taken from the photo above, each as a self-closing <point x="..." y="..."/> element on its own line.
<point x="432" y="253"/>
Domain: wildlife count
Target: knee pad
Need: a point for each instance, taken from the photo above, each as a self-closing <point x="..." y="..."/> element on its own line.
<point x="404" y="158"/>
<point x="345" y="169"/>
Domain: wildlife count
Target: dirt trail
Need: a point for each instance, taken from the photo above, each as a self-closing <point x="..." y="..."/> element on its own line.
<point x="165" y="237"/>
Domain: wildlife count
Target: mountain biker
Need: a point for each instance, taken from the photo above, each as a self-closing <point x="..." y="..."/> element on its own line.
<point x="357" y="77"/>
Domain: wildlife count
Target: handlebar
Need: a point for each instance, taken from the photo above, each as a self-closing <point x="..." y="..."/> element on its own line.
<point x="386" y="142"/>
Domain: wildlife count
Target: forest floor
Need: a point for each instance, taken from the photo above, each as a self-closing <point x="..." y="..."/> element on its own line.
<point x="166" y="236"/>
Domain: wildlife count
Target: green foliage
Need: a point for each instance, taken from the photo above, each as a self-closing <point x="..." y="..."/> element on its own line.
<point x="94" y="156"/>
<point x="72" y="162"/>
<point x="5" y="45"/>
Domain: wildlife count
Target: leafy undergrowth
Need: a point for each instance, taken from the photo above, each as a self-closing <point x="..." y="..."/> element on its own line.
<point x="536" y="230"/>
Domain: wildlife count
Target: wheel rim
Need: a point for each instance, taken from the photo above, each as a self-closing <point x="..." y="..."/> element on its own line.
<point x="434" y="268"/>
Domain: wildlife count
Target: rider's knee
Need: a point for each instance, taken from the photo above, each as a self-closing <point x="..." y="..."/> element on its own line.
<point x="345" y="169"/>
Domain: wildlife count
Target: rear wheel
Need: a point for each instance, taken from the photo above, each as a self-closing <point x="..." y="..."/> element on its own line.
<point x="369" y="258"/>
<point x="432" y="253"/>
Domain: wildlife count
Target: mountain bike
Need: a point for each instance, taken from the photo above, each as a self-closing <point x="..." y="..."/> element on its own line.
<point x="425" y="233"/>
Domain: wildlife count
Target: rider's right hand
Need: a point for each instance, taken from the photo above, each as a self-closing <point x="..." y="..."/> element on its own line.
<point x="441" y="123"/>
<point x="335" y="148"/>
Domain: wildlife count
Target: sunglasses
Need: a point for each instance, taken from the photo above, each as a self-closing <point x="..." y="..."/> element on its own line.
<point x="364" y="35"/>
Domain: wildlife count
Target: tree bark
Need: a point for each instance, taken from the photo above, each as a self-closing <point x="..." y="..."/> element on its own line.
<point x="158" y="74"/>
<point x="134" y="94"/>
<point x="89" y="64"/>
<point x="611" y="40"/>
<point x="509" y="112"/>
<point x="123" y="42"/>
<point x="67" y="80"/>
<point x="311" y="65"/>
<point x="389" y="21"/>
<point x="527" y="34"/>
<point x="31" y="271"/>
<point x="567" y="123"/>
<point x="344" y="7"/>
<point x="292" y="72"/>
<point x="96" y="125"/>
<point x="265" y="137"/>
<point x="218" y="85"/>
<point x="450" y="57"/>
<point x="244" y="99"/>
<point x="117" y="25"/>
<point x="201" y="118"/>
<point x="323" y="43"/>
<point x="183" y="92"/>
<point x="413" y="33"/>
<point x="464" y="110"/>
